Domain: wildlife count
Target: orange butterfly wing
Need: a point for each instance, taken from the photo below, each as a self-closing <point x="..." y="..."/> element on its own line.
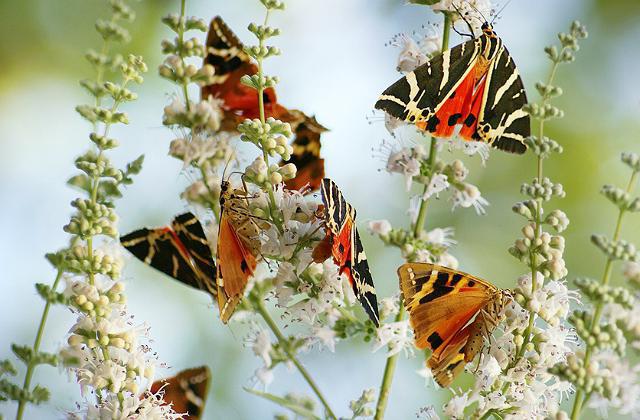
<point x="187" y="391"/>
<point x="235" y="265"/>
<point x="441" y="303"/>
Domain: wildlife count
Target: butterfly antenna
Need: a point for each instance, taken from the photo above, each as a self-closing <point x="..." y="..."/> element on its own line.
<point x="500" y="11"/>
<point x="472" y="35"/>
<point x="479" y="12"/>
<point x="224" y="171"/>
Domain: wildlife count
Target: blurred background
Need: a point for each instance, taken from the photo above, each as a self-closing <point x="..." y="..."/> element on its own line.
<point x="334" y="64"/>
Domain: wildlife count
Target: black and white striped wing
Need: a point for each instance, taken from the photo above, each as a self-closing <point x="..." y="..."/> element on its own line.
<point x="418" y="96"/>
<point x="362" y="284"/>
<point x="190" y="232"/>
<point x="502" y="122"/>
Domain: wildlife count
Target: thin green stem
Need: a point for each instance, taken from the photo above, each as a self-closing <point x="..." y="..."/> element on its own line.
<point x="36" y="347"/>
<point x="390" y="365"/>
<point x="181" y="29"/>
<point x="433" y="149"/>
<point x="387" y="377"/>
<point x="580" y="399"/>
<point x="272" y="199"/>
<point x="284" y="343"/>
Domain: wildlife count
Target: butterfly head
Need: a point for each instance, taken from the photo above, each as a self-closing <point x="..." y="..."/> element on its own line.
<point x="224" y="191"/>
<point x="487" y="29"/>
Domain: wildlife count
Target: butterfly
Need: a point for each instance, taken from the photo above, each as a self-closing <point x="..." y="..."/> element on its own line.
<point x="226" y="54"/>
<point x="238" y="248"/>
<point x="180" y="250"/>
<point x="344" y="244"/>
<point x="475" y="84"/>
<point x="186" y="392"/>
<point x="451" y="312"/>
<point x="306" y="155"/>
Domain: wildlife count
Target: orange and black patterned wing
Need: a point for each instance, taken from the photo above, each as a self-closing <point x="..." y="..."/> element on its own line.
<point x="182" y="252"/>
<point x="475" y="85"/>
<point x="226" y="54"/>
<point x="187" y="391"/>
<point x="306" y="155"/>
<point x="236" y="264"/>
<point x="347" y="250"/>
<point x="191" y="234"/>
<point x="440" y="302"/>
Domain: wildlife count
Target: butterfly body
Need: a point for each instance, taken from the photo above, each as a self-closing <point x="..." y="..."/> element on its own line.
<point x="452" y="313"/>
<point x="238" y="248"/>
<point x="346" y="247"/>
<point x="474" y="85"/>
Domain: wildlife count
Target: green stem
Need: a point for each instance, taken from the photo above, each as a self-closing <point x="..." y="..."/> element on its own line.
<point x="181" y="29"/>
<point x="272" y="199"/>
<point x="579" y="401"/>
<point x="284" y="344"/>
<point x="387" y="378"/>
<point x="433" y="150"/>
<point x="390" y="365"/>
<point x="36" y="347"/>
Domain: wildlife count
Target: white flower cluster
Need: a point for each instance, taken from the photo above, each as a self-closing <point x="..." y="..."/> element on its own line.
<point x="526" y="389"/>
<point x="473" y="12"/>
<point x="412" y="162"/>
<point x="105" y="354"/>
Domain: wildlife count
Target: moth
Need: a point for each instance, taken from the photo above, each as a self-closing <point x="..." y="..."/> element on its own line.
<point x="180" y="250"/>
<point x="238" y="248"/>
<point x="345" y="246"/>
<point x="226" y="54"/>
<point x="187" y="391"/>
<point x="306" y="155"/>
<point x="475" y="84"/>
<point x="452" y="313"/>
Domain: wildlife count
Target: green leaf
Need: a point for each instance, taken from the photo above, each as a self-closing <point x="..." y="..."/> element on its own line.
<point x="301" y="411"/>
<point x="134" y="168"/>
<point x="56" y="259"/>
<point x="6" y="367"/>
<point x="82" y="182"/>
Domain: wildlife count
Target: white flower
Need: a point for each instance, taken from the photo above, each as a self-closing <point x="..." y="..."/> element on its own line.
<point x="326" y="336"/>
<point x="410" y="55"/>
<point x="471" y="148"/>
<point x="454" y="409"/>
<point x="437" y="184"/>
<point x="405" y="162"/>
<point x="441" y="236"/>
<point x="488" y="371"/>
<point x="395" y="335"/>
<point x="415" y="52"/>
<point x="391" y="123"/>
<point x="261" y="345"/>
<point x="380" y="227"/>
<point x="427" y="413"/>
<point x="389" y="306"/>
<point x="447" y="260"/>
<point x="475" y="12"/>
<point x="469" y="196"/>
<point x="264" y="375"/>
<point x="631" y="270"/>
